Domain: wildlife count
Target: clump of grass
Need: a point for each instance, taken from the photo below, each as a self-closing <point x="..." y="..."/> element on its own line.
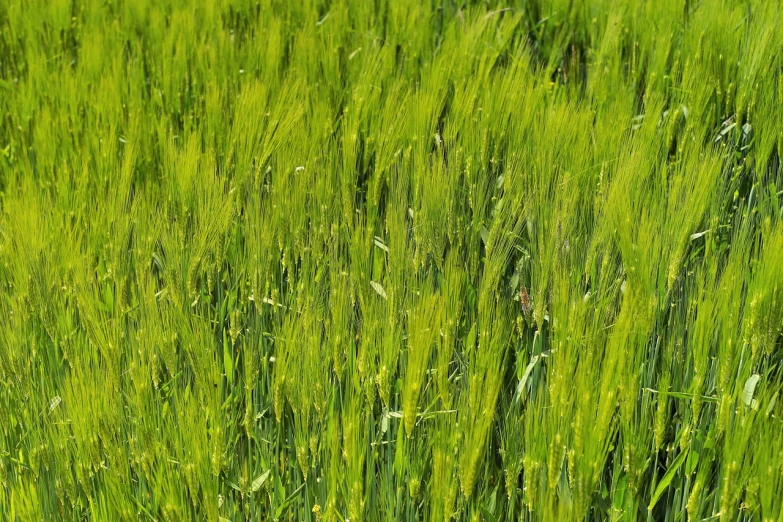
<point x="391" y="260"/>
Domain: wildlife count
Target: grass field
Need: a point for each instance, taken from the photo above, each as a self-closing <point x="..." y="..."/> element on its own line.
<point x="381" y="260"/>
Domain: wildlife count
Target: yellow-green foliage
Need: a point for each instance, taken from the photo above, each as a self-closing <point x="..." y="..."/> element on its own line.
<point x="391" y="260"/>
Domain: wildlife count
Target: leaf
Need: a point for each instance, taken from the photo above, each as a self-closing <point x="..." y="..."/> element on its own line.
<point x="470" y="297"/>
<point x="380" y="244"/>
<point x="771" y="405"/>
<point x="57" y="400"/>
<point x="681" y="395"/>
<point x="513" y="284"/>
<point x="259" y="481"/>
<point x="287" y="502"/>
<point x="520" y="393"/>
<point x="618" y="500"/>
<point x="692" y="462"/>
<point x="750" y="388"/>
<point x="564" y="489"/>
<point x="378" y="288"/>
<point x="728" y="129"/>
<point x="667" y="478"/>
<point x="470" y="342"/>
<point x="697" y="235"/>
<point x="228" y="360"/>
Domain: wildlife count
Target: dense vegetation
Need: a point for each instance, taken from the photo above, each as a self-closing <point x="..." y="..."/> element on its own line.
<point x="391" y="260"/>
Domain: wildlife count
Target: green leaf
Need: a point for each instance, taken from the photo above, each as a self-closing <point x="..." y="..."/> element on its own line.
<point x="378" y="288"/>
<point x="618" y="500"/>
<point x="470" y="342"/>
<point x="771" y="405"/>
<point x="692" y="462"/>
<point x="749" y="389"/>
<point x="470" y="297"/>
<point x="668" y="477"/>
<point x="380" y="244"/>
<point x="681" y="395"/>
<point x="520" y="393"/>
<point x="228" y="360"/>
<point x="259" y="481"/>
<point x="282" y="507"/>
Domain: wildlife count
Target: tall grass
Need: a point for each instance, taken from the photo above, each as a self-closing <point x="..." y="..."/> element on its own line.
<point x="391" y="260"/>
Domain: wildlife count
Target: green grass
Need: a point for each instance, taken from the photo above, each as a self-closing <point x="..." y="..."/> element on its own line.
<point x="391" y="260"/>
